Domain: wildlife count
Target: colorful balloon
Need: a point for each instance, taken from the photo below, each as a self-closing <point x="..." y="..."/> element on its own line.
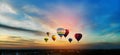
<point x="61" y="32"/>
<point x="53" y="37"/>
<point x="70" y="40"/>
<point x="78" y="36"/>
<point x="48" y="33"/>
<point x="66" y="33"/>
<point x="46" y="39"/>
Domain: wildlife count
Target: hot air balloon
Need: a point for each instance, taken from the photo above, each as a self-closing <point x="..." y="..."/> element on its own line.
<point x="78" y="36"/>
<point x="48" y="33"/>
<point x="46" y="39"/>
<point x="66" y="33"/>
<point x="61" y="32"/>
<point x="70" y="40"/>
<point x="53" y="37"/>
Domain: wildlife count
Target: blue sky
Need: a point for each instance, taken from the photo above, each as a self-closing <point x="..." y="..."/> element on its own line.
<point x="97" y="20"/>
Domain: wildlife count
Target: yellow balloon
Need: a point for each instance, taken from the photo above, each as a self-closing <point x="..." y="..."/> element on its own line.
<point x="53" y="37"/>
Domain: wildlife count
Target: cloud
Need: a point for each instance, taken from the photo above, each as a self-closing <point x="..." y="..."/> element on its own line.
<point x="33" y="9"/>
<point x="16" y="41"/>
<point x="68" y="15"/>
<point x="57" y="16"/>
<point x="6" y="8"/>
<point x="10" y="17"/>
<point x="41" y="33"/>
<point x="40" y="16"/>
<point x="27" y="24"/>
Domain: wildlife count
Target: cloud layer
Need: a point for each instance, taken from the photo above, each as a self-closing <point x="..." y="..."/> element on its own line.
<point x="98" y="21"/>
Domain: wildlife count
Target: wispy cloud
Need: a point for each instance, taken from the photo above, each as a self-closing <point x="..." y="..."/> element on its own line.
<point x="16" y="41"/>
<point x="6" y="8"/>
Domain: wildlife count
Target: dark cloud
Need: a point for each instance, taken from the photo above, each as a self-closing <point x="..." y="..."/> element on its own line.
<point x="22" y="29"/>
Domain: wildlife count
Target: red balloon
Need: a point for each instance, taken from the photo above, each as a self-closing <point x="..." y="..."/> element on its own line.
<point x="66" y="33"/>
<point x="78" y="36"/>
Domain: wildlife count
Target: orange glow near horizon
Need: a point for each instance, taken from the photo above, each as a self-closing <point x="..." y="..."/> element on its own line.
<point x="23" y="43"/>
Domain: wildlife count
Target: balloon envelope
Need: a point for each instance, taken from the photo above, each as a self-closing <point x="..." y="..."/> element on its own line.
<point x="66" y="32"/>
<point x="78" y="36"/>
<point x="53" y="37"/>
<point x="46" y="39"/>
<point x="61" y="31"/>
<point x="70" y="40"/>
<point x="48" y="33"/>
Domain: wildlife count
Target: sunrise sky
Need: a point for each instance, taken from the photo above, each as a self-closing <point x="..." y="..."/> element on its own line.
<point x="24" y="22"/>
